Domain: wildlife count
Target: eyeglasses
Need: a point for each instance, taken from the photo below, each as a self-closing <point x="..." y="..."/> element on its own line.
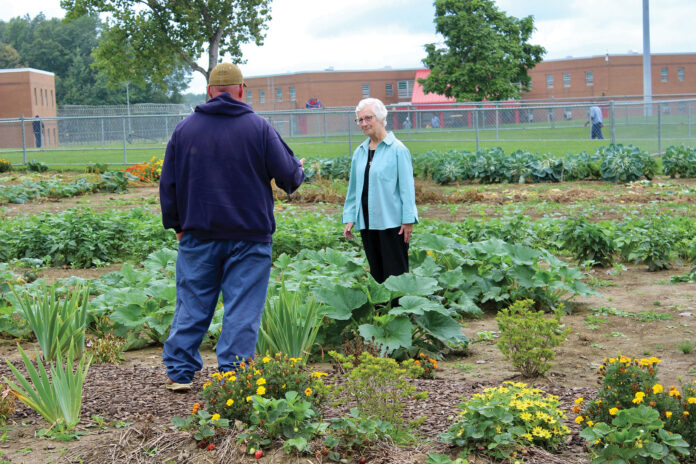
<point x="366" y="119"/>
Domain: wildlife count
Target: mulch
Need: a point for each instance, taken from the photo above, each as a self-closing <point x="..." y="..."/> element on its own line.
<point x="136" y="394"/>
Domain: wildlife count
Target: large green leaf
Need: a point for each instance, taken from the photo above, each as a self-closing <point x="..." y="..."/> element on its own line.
<point x="411" y="284"/>
<point x="377" y="293"/>
<point x="442" y="327"/>
<point x="130" y="316"/>
<point x="397" y="333"/>
<point x="417" y="305"/>
<point x="340" y="301"/>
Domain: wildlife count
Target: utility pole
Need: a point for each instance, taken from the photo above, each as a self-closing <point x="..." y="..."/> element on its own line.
<point x="647" y="70"/>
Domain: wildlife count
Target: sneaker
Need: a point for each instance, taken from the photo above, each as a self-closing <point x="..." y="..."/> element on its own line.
<point x="177" y="387"/>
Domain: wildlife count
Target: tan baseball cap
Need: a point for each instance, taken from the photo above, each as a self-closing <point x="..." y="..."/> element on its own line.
<point x="226" y="74"/>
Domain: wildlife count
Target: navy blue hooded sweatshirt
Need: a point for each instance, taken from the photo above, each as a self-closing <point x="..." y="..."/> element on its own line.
<point x="217" y="171"/>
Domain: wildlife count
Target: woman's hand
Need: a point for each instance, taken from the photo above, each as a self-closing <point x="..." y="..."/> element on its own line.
<point x="406" y="230"/>
<point x="347" y="231"/>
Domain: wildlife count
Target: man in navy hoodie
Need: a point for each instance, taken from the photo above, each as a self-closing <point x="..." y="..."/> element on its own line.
<point x="215" y="192"/>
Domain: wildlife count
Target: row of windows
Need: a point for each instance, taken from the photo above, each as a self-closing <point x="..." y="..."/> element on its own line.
<point x="278" y="96"/>
<point x="589" y="77"/>
<point x="404" y="89"/>
<point x="45" y="100"/>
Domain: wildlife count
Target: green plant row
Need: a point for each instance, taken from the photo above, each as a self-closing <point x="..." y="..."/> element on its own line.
<point x="615" y="163"/>
<point x="113" y="181"/>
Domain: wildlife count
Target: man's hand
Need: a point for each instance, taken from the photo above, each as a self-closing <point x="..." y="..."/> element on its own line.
<point x="406" y="230"/>
<point x="179" y="235"/>
<point x="302" y="162"/>
<point x="347" y="233"/>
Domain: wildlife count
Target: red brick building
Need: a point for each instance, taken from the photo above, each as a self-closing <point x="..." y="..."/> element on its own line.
<point x="27" y="92"/>
<point x="577" y="78"/>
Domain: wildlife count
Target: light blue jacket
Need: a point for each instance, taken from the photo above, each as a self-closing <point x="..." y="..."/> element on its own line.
<point x="391" y="194"/>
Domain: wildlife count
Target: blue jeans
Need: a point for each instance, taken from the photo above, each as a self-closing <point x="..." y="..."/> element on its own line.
<point x="239" y="269"/>
<point x="596" y="132"/>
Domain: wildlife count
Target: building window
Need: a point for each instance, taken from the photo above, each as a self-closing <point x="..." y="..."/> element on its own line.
<point x="36" y="101"/>
<point x="680" y="74"/>
<point x="663" y="74"/>
<point x="549" y="81"/>
<point x="42" y="97"/>
<point x="405" y="89"/>
<point x="682" y="107"/>
<point x="365" y="90"/>
<point x="291" y="92"/>
<point x="589" y="78"/>
<point x="566" y="79"/>
<point x="262" y="96"/>
<point x="389" y="89"/>
<point x="279" y="95"/>
<point x="250" y="96"/>
<point x="53" y="102"/>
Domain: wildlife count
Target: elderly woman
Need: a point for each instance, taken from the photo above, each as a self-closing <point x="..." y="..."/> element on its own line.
<point x="381" y="199"/>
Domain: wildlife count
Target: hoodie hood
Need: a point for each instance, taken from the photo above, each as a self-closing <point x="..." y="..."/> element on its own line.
<point x="224" y="104"/>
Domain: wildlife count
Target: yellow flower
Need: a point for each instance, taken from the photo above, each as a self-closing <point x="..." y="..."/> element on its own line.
<point x="318" y="375"/>
<point x="668" y="414"/>
<point x="674" y="393"/>
<point x="692" y="400"/>
<point x="639" y="397"/>
<point x="261" y="390"/>
<point x="295" y="360"/>
<point x="657" y="388"/>
<point x="261" y="381"/>
<point x="579" y="419"/>
<point x="206" y="385"/>
<point x="308" y="392"/>
<point x="579" y="400"/>
<point x="216" y="417"/>
<point x="686" y="413"/>
<point x="589" y="423"/>
<point x="266" y="359"/>
<point x="230" y="402"/>
<point x="613" y="411"/>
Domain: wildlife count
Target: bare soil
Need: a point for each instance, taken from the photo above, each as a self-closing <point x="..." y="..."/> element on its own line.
<point x="656" y="319"/>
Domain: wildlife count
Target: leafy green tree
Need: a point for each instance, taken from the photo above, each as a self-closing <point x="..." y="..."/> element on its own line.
<point x="486" y="53"/>
<point x="147" y="41"/>
<point x="9" y="58"/>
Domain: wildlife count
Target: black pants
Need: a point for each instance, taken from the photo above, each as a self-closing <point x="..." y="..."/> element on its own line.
<point x="386" y="252"/>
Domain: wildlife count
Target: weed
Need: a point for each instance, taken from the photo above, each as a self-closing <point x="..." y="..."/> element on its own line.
<point x="686" y="346"/>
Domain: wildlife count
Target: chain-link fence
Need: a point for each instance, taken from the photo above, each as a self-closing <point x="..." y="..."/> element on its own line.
<point x="126" y="134"/>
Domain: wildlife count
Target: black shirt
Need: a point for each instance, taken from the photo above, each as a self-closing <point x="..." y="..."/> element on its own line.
<point x="366" y="186"/>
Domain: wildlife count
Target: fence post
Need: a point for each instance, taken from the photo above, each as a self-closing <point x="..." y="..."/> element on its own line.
<point x="102" y="130"/>
<point x="497" y="120"/>
<point x="613" y="122"/>
<point x="689" y="118"/>
<point x="476" y="116"/>
<point x="24" y="141"/>
<point x="125" y="158"/>
<point x="350" y="136"/>
<point x="659" y="130"/>
<point x="326" y="138"/>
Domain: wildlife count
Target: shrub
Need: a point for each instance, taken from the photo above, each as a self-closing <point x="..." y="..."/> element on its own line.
<point x="587" y="241"/>
<point x="423" y="367"/>
<point x="36" y="166"/>
<point x="377" y="386"/>
<point x="97" y="168"/>
<point x="502" y="420"/>
<point x="106" y="349"/>
<point x="230" y="394"/>
<point x="147" y="172"/>
<point x="5" y="166"/>
<point x="654" y="247"/>
<point x="527" y="337"/>
<point x="202" y="425"/>
<point x="7" y="403"/>
<point x="679" y="161"/>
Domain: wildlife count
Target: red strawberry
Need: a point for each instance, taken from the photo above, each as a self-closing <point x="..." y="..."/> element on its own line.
<point x="258" y="454"/>
<point x="211" y="447"/>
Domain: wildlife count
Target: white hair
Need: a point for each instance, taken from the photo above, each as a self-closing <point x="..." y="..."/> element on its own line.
<point x="378" y="108"/>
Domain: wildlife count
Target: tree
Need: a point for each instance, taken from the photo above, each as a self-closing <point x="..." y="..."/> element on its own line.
<point x="486" y="53"/>
<point x="145" y="41"/>
<point x="9" y="58"/>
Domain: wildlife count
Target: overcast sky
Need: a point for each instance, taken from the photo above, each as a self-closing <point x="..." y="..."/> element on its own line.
<point x="310" y="35"/>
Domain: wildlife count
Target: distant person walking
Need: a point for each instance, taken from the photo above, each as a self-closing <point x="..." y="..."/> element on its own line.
<point x="435" y="122"/>
<point x="215" y="192"/>
<point x="596" y="121"/>
<point x="38" y="127"/>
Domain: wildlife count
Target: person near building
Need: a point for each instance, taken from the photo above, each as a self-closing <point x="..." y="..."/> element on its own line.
<point x="595" y="119"/>
<point x="215" y="192"/>
<point x="381" y="199"/>
<point x="435" y="122"/>
<point x="38" y="128"/>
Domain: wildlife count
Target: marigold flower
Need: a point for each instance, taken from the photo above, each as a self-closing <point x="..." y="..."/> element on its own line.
<point x="266" y="359"/>
<point x="589" y="423"/>
<point x="261" y="381"/>
<point x="261" y="391"/>
<point x="216" y="417"/>
<point x="576" y="409"/>
<point x="196" y="407"/>
<point x="657" y="388"/>
<point x="579" y="400"/>
<point x="613" y="411"/>
<point x="668" y="414"/>
<point x="318" y="375"/>
<point x="686" y="413"/>
<point x="248" y="398"/>
<point x="675" y="393"/>
<point x="206" y="385"/>
<point x="692" y="400"/>
<point x="579" y="419"/>
<point x="230" y="402"/>
<point x="308" y="391"/>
